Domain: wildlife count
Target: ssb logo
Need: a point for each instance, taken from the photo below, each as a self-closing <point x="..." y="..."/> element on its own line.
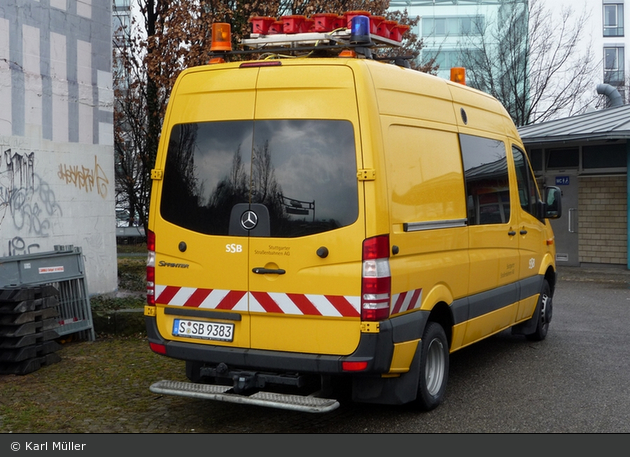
<point x="233" y="248"/>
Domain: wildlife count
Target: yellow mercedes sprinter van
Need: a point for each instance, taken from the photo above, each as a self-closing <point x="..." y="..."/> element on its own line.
<point x="334" y="217"/>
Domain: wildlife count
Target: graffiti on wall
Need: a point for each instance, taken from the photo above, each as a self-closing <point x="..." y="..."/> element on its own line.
<point x="27" y="202"/>
<point x="85" y="178"/>
<point x="17" y="246"/>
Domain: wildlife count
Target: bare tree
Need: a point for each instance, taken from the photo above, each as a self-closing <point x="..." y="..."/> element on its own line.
<point x="534" y="63"/>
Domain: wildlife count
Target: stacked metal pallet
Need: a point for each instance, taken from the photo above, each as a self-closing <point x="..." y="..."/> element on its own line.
<point x="28" y="319"/>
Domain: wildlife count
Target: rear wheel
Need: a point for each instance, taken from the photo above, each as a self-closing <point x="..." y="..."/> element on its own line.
<point x="434" y="363"/>
<point x="545" y="310"/>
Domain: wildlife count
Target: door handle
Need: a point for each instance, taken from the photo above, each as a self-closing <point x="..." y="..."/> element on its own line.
<point x="268" y="271"/>
<point x="511" y="233"/>
<point x="523" y="232"/>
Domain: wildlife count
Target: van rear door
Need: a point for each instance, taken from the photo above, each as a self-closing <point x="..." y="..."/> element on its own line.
<point x="263" y="211"/>
<point x="305" y="273"/>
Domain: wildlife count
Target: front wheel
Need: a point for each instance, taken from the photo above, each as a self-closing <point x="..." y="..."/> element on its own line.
<point x="544" y="309"/>
<point x="434" y="361"/>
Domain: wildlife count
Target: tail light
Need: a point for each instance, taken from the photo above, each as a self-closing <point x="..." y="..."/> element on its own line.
<point x="158" y="348"/>
<point x="150" y="268"/>
<point x="376" y="279"/>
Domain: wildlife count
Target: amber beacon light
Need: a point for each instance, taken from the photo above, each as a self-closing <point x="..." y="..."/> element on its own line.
<point x="221" y="37"/>
<point x="458" y="75"/>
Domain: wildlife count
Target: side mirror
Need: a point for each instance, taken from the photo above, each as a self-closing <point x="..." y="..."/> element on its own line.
<point x="553" y="203"/>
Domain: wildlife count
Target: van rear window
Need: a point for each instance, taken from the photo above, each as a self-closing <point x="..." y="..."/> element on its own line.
<point x="302" y="171"/>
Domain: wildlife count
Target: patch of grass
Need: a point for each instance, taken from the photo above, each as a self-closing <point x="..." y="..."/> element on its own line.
<point x="132" y="288"/>
<point x="104" y="303"/>
<point x="132" y="274"/>
<point x="97" y="387"/>
<point x="133" y="248"/>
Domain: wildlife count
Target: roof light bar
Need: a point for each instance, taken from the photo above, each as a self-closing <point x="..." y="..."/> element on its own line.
<point x="319" y="35"/>
<point x="264" y="27"/>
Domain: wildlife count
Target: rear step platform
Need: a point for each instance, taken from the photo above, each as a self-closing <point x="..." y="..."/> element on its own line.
<point x="301" y="403"/>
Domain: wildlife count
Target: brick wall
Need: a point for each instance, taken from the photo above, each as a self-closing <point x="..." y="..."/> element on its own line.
<point x="603" y="224"/>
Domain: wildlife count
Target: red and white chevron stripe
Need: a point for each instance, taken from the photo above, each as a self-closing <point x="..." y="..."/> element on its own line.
<point x="406" y="301"/>
<point x="193" y="297"/>
<point x="263" y="302"/>
<point x="274" y="302"/>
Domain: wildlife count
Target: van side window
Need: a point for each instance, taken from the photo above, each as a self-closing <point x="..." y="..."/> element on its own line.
<point x="527" y="190"/>
<point x="487" y="181"/>
<point x="302" y="171"/>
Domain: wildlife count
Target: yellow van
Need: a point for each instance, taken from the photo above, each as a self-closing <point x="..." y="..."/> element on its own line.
<point x="338" y="217"/>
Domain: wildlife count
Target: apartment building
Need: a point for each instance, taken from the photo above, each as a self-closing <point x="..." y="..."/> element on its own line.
<point x="449" y="27"/>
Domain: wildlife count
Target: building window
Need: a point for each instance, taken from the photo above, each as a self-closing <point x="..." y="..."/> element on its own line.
<point x="614" y="65"/>
<point x="452" y="26"/>
<point x="605" y="156"/>
<point x="536" y="158"/>
<point x="563" y="158"/>
<point x="613" y="19"/>
<point x="447" y="59"/>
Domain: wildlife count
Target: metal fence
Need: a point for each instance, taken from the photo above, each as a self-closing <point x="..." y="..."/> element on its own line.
<point x="63" y="269"/>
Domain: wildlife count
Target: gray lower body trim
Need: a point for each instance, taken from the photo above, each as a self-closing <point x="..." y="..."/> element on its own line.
<point x="477" y="305"/>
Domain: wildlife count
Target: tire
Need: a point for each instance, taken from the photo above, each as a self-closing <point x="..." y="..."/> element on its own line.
<point x="544" y="310"/>
<point x="434" y="364"/>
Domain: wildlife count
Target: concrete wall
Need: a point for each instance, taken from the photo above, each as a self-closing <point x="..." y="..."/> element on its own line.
<point x="56" y="132"/>
<point x="603" y="226"/>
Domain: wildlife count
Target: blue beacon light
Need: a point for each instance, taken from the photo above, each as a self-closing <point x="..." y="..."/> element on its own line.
<point x="360" y="30"/>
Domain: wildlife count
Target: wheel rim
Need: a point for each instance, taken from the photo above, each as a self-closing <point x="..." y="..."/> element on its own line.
<point x="435" y="366"/>
<point x="545" y="310"/>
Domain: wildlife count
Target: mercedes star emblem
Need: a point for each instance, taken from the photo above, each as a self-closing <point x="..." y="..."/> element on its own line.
<point x="249" y="220"/>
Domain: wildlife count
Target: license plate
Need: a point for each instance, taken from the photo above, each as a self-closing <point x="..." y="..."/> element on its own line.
<point x="203" y="330"/>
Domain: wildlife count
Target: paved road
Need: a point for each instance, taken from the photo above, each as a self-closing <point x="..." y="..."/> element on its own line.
<point x="576" y="381"/>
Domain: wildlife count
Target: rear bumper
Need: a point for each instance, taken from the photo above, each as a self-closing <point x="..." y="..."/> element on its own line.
<point x="374" y="348"/>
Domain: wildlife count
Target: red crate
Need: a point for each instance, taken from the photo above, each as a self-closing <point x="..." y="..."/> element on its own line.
<point x="374" y="23"/>
<point x="261" y="24"/>
<point x="397" y="32"/>
<point x="325" y="22"/>
<point x="276" y="27"/>
<point x="308" y="26"/>
<point x="340" y="22"/>
<point x="292" y="24"/>
<point x="385" y="27"/>
<point x="350" y="14"/>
